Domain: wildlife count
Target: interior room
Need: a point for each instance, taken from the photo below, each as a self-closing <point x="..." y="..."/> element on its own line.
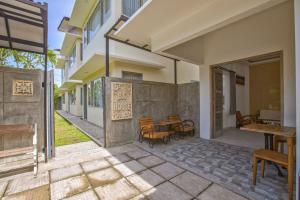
<point x="255" y="98"/>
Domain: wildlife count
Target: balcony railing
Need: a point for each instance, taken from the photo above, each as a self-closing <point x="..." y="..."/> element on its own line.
<point x="131" y="6"/>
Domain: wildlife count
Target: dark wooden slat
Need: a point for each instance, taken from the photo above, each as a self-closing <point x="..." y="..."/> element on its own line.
<point x="21" y="41"/>
<point x="20" y="8"/>
<point x="18" y="19"/>
<point x="18" y="49"/>
<point x="20" y="15"/>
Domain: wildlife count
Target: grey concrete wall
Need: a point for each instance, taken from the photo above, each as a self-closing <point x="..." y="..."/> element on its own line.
<point x="20" y="109"/>
<point x="188" y="103"/>
<point x="158" y="100"/>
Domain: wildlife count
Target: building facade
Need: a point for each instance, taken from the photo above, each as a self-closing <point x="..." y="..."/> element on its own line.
<point x="83" y="53"/>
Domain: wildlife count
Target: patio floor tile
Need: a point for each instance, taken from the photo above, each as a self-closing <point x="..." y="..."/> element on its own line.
<point x="220" y="193"/>
<point x="139" y="197"/>
<point x="138" y="154"/>
<point x="190" y="183"/>
<point x="118" y="159"/>
<point x="69" y="187"/>
<point x="95" y="165"/>
<point x="151" y="161"/>
<point x="123" y="188"/>
<point x="40" y="193"/>
<point x="167" y="191"/>
<point x="145" y="180"/>
<point x="103" y="177"/>
<point x="167" y="170"/>
<point x="89" y="195"/>
<point x="3" y="186"/>
<point x="23" y="183"/>
<point x="129" y="168"/>
<point x="65" y="172"/>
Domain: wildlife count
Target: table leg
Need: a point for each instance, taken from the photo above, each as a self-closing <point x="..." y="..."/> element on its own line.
<point x="290" y="141"/>
<point x="269" y="145"/>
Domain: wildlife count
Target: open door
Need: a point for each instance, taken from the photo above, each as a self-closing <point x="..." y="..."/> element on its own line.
<point x="217" y="103"/>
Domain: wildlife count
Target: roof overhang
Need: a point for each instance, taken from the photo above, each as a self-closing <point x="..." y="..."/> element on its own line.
<point x="61" y="60"/>
<point x="81" y="12"/>
<point x="165" y="24"/>
<point x="70" y="83"/>
<point x="24" y="25"/>
<point x="65" y="27"/>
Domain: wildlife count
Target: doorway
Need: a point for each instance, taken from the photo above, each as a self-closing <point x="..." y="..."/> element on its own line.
<point x="255" y="89"/>
<point x="85" y="101"/>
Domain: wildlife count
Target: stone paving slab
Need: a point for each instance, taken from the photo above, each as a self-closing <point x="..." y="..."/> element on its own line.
<point x="139" y="197"/>
<point x="66" y="172"/>
<point x="167" y="170"/>
<point x="24" y="183"/>
<point x="129" y="168"/>
<point x="95" y="165"/>
<point x="103" y="177"/>
<point x="89" y="195"/>
<point x="3" y="186"/>
<point x="151" y="161"/>
<point x="69" y="187"/>
<point x="220" y="193"/>
<point x="40" y="193"/>
<point x="145" y="180"/>
<point x="190" y="183"/>
<point x="167" y="191"/>
<point x="138" y="154"/>
<point x="118" y="159"/>
<point x="120" y="190"/>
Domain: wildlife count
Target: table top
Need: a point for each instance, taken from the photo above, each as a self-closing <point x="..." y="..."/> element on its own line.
<point x="169" y="122"/>
<point x="271" y="129"/>
<point x="16" y="129"/>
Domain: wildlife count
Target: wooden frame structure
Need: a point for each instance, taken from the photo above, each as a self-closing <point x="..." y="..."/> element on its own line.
<point x="24" y="27"/>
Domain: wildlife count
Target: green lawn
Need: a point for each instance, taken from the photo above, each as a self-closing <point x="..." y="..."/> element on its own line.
<point x="66" y="133"/>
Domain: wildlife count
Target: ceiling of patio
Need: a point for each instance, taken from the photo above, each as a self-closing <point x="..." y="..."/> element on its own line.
<point x="165" y="24"/>
<point x="23" y="25"/>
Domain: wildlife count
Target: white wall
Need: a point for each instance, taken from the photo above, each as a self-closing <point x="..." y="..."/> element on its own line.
<point x="76" y="109"/>
<point x="95" y="115"/>
<point x="297" y="34"/>
<point x="242" y="93"/>
<point x="65" y="105"/>
<point x="263" y="33"/>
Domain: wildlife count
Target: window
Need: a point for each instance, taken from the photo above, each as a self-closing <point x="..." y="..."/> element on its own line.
<point x="72" y="97"/>
<point x="100" y="15"/>
<point x="72" y="57"/>
<point x="132" y="75"/>
<point x="131" y="6"/>
<point x="95" y="93"/>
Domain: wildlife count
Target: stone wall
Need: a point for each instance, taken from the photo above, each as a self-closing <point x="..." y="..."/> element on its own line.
<point x="20" y="109"/>
<point x="158" y="100"/>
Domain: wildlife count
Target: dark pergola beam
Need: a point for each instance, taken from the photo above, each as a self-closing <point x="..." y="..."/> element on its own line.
<point x="21" y="41"/>
<point x="7" y="30"/>
<point x="41" y="25"/>
<point x="19" y="14"/>
<point x="175" y="72"/>
<point x="20" y="9"/>
<point x="18" y="49"/>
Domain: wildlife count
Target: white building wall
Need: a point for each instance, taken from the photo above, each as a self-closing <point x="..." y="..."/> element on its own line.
<point x="76" y="109"/>
<point x="65" y="105"/>
<point x="266" y="32"/>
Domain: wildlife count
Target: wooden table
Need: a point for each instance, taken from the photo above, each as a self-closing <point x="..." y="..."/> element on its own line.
<point x="288" y="132"/>
<point x="169" y="123"/>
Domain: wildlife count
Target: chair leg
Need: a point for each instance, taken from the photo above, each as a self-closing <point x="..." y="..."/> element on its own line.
<point x="263" y="168"/>
<point x="254" y="166"/>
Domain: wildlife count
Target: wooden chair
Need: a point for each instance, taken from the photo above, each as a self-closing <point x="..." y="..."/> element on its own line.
<point x="244" y="120"/>
<point x="184" y="127"/>
<point x="148" y="132"/>
<point x="286" y="161"/>
<point x="279" y="142"/>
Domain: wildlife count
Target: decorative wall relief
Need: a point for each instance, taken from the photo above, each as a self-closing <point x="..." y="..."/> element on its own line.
<point x="121" y="101"/>
<point x="22" y="88"/>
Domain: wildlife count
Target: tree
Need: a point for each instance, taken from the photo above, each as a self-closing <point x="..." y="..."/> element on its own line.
<point x="26" y="60"/>
<point x="56" y="96"/>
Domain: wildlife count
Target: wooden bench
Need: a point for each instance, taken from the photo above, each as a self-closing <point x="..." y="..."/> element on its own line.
<point x="21" y="129"/>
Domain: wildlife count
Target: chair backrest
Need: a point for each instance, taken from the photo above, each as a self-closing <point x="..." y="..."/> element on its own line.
<point x="239" y="116"/>
<point x="146" y="124"/>
<point x="175" y="127"/>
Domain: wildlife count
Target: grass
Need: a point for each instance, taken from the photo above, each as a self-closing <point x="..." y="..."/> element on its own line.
<point x="66" y="133"/>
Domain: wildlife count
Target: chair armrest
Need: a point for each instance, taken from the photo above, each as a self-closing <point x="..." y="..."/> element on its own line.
<point x="188" y="122"/>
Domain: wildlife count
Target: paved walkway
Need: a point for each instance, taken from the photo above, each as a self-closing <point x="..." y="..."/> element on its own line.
<point x="93" y="131"/>
<point x="224" y="164"/>
<point x="86" y="171"/>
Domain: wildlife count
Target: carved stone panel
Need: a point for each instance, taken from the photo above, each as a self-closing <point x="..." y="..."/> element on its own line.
<point x="121" y="100"/>
<point x="22" y="88"/>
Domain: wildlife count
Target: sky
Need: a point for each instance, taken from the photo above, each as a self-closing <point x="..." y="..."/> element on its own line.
<point x="57" y="9"/>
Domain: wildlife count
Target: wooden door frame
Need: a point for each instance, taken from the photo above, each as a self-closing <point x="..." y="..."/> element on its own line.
<point x="280" y="53"/>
